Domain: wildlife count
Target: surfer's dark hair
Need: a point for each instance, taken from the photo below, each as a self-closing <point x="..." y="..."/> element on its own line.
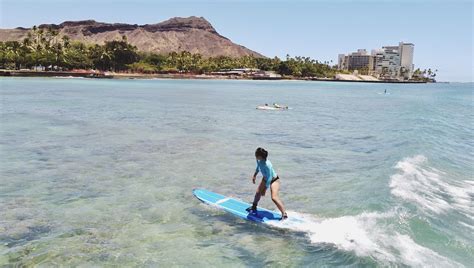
<point x="261" y="152"/>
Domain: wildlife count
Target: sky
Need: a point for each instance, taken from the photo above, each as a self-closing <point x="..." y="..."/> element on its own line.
<point x="442" y="31"/>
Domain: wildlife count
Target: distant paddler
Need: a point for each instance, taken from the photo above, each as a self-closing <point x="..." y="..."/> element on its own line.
<point x="276" y="105"/>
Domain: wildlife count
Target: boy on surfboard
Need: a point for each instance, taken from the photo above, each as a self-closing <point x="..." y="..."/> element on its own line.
<point x="270" y="180"/>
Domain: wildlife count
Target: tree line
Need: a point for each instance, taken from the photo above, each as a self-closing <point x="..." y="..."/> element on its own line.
<point x="45" y="47"/>
<point x="426" y="75"/>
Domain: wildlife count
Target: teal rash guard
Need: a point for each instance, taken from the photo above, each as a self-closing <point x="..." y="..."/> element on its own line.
<point x="266" y="168"/>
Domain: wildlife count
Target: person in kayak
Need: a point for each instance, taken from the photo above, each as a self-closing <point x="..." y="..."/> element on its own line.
<point x="270" y="180"/>
<point x="276" y="105"/>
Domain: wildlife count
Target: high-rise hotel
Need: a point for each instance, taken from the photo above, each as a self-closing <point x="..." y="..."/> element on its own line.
<point x="389" y="62"/>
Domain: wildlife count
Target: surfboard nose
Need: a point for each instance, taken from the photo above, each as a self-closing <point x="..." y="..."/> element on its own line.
<point x="197" y="191"/>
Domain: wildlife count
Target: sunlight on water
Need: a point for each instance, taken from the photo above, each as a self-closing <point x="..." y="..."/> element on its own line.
<point x="101" y="173"/>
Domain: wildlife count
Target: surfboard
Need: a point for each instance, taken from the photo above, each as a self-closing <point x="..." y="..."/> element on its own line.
<point x="236" y="207"/>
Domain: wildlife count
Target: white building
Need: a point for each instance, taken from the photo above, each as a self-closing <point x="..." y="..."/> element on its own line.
<point x="406" y="59"/>
<point x="387" y="62"/>
<point x="342" y="62"/>
<point x="394" y="61"/>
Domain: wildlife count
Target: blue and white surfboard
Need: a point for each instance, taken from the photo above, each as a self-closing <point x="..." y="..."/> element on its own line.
<point x="236" y="207"/>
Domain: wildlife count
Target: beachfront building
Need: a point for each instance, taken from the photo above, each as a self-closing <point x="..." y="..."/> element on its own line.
<point x="360" y="61"/>
<point x="266" y="75"/>
<point x="394" y="62"/>
<point x="342" y="62"/>
<point x="237" y="71"/>
<point x="406" y="59"/>
<point x="389" y="62"/>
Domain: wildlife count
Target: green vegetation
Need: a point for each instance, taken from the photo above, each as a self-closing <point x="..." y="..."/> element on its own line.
<point x="44" y="47"/>
<point x="425" y="75"/>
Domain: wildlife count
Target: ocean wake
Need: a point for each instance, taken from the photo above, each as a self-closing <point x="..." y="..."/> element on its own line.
<point x="363" y="235"/>
<point x="375" y="234"/>
<point x="428" y="190"/>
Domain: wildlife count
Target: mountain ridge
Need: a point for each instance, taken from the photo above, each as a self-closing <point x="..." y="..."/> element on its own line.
<point x="193" y="34"/>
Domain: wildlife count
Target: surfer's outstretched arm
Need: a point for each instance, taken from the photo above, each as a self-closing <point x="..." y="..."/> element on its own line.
<point x="255" y="175"/>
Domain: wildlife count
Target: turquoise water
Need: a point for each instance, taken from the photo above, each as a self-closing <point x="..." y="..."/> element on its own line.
<point x="101" y="172"/>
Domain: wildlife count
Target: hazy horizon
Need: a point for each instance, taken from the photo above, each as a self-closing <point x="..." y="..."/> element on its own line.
<point x="441" y="31"/>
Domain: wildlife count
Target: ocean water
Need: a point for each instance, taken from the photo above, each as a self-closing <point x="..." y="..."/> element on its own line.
<point x="101" y="172"/>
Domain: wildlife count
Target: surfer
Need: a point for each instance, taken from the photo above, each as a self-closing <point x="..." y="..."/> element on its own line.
<point x="278" y="106"/>
<point x="270" y="180"/>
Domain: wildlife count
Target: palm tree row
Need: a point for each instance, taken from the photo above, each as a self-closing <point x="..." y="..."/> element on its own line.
<point x="52" y="51"/>
<point x="47" y="48"/>
<point x="425" y="75"/>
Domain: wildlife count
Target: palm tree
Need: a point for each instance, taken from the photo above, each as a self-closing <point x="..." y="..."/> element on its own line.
<point x="26" y="41"/>
<point x="66" y="41"/>
<point x="430" y="72"/>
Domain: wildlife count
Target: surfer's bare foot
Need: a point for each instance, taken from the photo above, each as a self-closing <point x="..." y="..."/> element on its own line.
<point x="284" y="216"/>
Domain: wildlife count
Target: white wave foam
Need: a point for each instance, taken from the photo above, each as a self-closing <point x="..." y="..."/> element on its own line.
<point x="362" y="235"/>
<point x="371" y="234"/>
<point x="425" y="187"/>
<point x="466" y="225"/>
<point x="416" y="255"/>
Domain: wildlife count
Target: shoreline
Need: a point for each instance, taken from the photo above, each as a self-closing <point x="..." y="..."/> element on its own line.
<point x="92" y="75"/>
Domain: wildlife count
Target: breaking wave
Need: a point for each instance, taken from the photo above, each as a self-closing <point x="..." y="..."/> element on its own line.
<point x="430" y="191"/>
<point x="365" y="236"/>
<point x="375" y="235"/>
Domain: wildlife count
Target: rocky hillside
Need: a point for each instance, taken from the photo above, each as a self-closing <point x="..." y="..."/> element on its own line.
<point x="192" y="34"/>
